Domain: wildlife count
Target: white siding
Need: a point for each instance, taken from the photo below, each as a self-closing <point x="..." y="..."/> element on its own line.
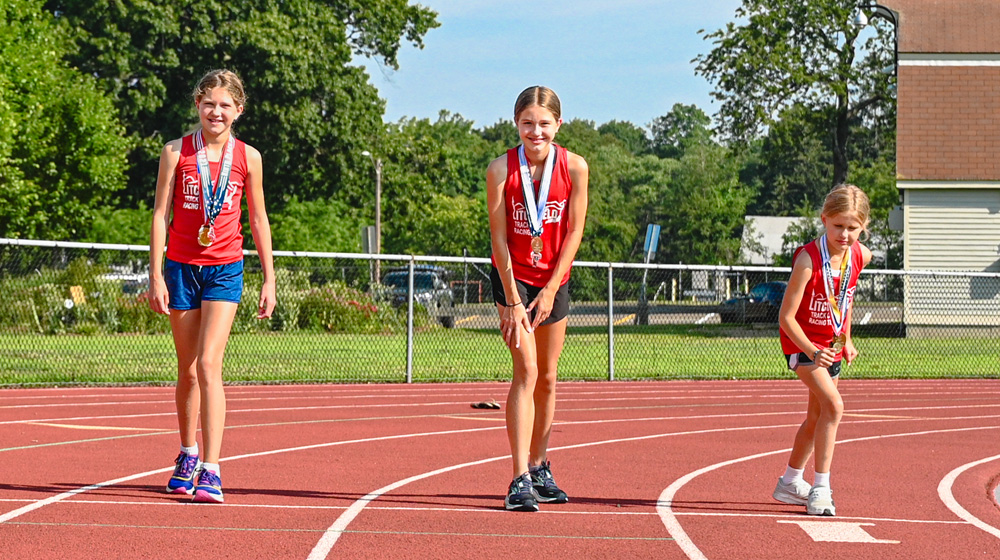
<point x="952" y="229"/>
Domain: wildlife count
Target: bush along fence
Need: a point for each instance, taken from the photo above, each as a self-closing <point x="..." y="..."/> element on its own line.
<point x="76" y="313"/>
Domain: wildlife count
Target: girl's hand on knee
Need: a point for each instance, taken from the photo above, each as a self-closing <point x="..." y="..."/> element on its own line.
<point x="512" y="320"/>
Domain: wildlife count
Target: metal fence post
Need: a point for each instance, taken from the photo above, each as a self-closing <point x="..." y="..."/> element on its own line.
<point x="409" y="323"/>
<point x="611" y="322"/>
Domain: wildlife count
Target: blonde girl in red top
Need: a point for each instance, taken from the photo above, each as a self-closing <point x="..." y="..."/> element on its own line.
<point x="537" y="198"/>
<point x="815" y="331"/>
<point x="201" y="179"/>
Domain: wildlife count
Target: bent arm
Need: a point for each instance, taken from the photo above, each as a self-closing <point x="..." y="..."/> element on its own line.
<point x="801" y="273"/>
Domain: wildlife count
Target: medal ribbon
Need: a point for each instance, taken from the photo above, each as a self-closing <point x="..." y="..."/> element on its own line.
<point x="213" y="196"/>
<point x="536" y="211"/>
<point x="838" y="304"/>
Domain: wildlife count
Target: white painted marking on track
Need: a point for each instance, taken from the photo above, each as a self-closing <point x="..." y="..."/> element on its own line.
<point x="837" y="531"/>
<point x="705" y="318"/>
<point x="669" y="517"/>
<point x="944" y="492"/>
<point x="52" y="499"/>
<point x="88" y="427"/>
<point x="864" y="320"/>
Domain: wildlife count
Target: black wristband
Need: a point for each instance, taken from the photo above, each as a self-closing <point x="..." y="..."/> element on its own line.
<point x="816" y="353"/>
<point x="513" y="304"/>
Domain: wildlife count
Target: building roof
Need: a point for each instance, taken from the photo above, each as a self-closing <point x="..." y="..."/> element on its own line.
<point x="767" y="231"/>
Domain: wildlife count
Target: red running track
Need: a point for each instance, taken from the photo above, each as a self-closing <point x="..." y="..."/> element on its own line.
<point x="667" y="470"/>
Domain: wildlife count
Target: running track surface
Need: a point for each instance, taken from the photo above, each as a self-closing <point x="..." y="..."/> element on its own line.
<point x="668" y="470"/>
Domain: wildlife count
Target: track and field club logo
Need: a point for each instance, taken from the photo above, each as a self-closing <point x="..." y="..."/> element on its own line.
<point x="552" y="215"/>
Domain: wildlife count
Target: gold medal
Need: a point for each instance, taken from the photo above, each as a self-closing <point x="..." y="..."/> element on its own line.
<point x="536" y="244"/>
<point x="839" y="341"/>
<point x="206" y="236"/>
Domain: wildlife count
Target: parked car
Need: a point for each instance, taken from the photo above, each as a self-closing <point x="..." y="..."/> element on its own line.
<point x="760" y="305"/>
<point x="429" y="290"/>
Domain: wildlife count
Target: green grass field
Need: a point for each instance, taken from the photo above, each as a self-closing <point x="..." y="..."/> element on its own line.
<point x="652" y="352"/>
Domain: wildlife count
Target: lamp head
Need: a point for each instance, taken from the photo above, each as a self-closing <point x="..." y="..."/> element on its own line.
<point x="366" y="153"/>
<point x="861" y="19"/>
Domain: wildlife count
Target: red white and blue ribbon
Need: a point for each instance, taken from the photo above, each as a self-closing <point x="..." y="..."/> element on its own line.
<point x="213" y="196"/>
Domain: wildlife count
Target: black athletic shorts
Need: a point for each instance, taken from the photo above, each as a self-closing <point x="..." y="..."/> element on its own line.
<point x="801" y="359"/>
<point x="528" y="293"/>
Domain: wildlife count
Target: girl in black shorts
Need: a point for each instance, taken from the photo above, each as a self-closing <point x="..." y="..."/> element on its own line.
<point x="537" y="198"/>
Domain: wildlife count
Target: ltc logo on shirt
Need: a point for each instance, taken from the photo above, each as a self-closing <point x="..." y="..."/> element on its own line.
<point x="192" y="192"/>
<point x="553" y="214"/>
<point x="819" y="309"/>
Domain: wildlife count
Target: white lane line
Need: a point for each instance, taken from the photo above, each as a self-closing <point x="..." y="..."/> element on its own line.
<point x="91" y="427"/>
<point x="944" y="492"/>
<point x="490" y="510"/>
<point x="742" y="398"/>
<point x="665" y="501"/>
<point x="59" y="497"/>
<point x="325" y="544"/>
<point x="705" y="319"/>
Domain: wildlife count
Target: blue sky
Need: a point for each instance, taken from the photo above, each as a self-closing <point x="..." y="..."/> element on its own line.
<point x="625" y="60"/>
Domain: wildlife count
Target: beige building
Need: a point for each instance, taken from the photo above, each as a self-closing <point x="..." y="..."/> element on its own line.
<point x="948" y="157"/>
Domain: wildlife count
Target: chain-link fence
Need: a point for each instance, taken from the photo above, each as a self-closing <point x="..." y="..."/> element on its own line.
<point x="73" y="313"/>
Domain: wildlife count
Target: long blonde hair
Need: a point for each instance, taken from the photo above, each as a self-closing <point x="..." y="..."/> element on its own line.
<point x="848" y="198"/>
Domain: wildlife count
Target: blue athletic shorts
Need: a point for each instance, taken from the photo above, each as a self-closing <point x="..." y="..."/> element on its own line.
<point x="190" y="284"/>
<point x="802" y="359"/>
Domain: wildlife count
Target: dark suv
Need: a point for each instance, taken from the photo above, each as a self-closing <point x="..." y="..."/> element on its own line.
<point x="429" y="290"/>
<point x="761" y="305"/>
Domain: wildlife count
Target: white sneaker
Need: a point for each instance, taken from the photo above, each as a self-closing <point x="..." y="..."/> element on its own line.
<point x="795" y="493"/>
<point x="821" y="501"/>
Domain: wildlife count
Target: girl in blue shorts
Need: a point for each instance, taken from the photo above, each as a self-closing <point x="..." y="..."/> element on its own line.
<point x="201" y="179"/>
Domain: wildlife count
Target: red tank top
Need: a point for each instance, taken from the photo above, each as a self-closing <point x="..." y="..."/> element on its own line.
<point x="555" y="221"/>
<point x="182" y="245"/>
<point x="813" y="314"/>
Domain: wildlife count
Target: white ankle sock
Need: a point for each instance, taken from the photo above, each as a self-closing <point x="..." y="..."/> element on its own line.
<point x="791" y="475"/>
<point x="193" y="450"/>
<point x="822" y="479"/>
<point x="214" y="467"/>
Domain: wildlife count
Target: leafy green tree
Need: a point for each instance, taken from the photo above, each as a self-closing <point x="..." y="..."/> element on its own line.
<point x="682" y="127"/>
<point x="790" y="167"/>
<point x="502" y="133"/>
<point x="433" y="187"/>
<point x="809" y="53"/>
<point x="129" y="226"/>
<point x="316" y="225"/>
<point x="703" y="212"/>
<point x="61" y="147"/>
<point x="631" y="136"/>
<point x="309" y="112"/>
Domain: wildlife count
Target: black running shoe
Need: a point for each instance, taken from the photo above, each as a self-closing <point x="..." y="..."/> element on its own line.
<point x="545" y="486"/>
<point x="520" y="495"/>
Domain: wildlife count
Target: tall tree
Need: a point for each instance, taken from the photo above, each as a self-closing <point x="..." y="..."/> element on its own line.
<point x="631" y="136"/>
<point x="788" y="52"/>
<point x="61" y="147"/>
<point x="682" y="127"/>
<point x="309" y="111"/>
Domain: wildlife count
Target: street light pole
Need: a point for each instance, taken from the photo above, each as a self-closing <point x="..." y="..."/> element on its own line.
<point x="888" y="14"/>
<point x="377" y="163"/>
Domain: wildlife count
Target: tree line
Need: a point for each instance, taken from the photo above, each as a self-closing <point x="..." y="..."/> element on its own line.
<point x="90" y="91"/>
